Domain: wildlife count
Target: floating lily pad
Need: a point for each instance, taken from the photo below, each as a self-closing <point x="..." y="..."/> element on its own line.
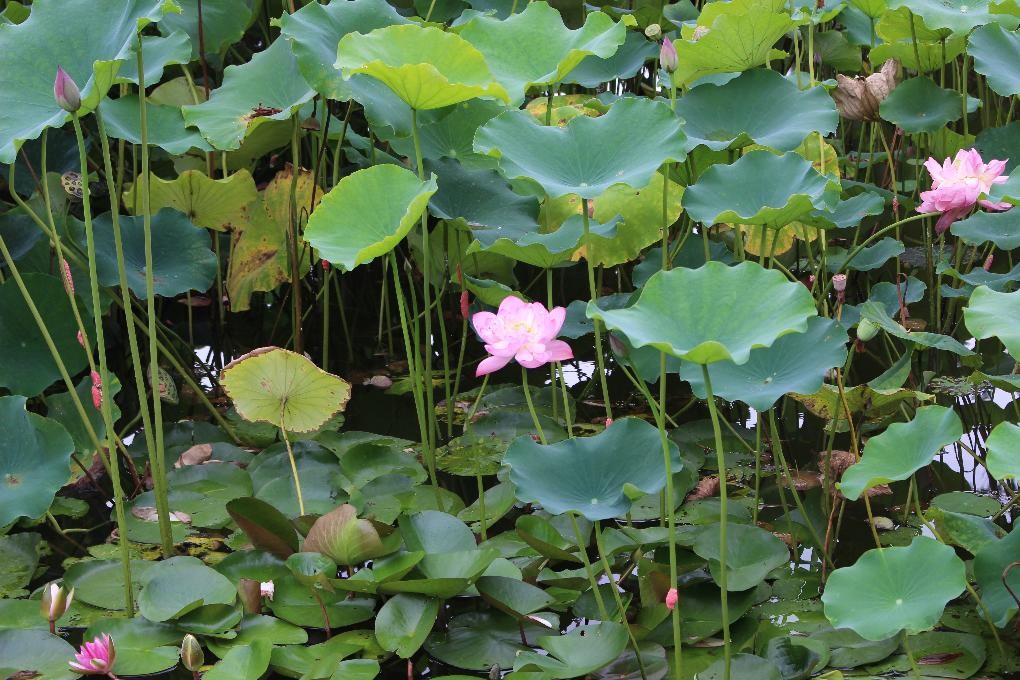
<point x="583" y="475"/>
<point x="180" y="585"/>
<point x="678" y="312"/>
<point x="20" y="556"/>
<point x="477" y="640"/>
<point x="242" y="661"/>
<point x="743" y="666"/>
<point x="579" y="652"/>
<point x="404" y="622"/>
<point x="36" y="654"/>
<point x="990" y="314"/>
<point x="142" y="646"/>
<point x="100" y="583"/>
<point x="751" y="553"/>
<point x="892" y="589"/>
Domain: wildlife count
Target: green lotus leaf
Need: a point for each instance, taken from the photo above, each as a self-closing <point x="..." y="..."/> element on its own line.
<point x="37" y="46"/>
<point x="35" y="459"/>
<point x="142" y="646"/>
<point x="796" y="658"/>
<point x="534" y="47"/>
<point x="743" y="666"/>
<point x="367" y="214"/>
<point x="272" y="481"/>
<point x="538" y="248"/>
<point x="346" y="539"/>
<point x="991" y="314"/>
<point x="284" y="388"/>
<point x="404" y="622"/>
<point x="158" y="52"/>
<point x="426" y="67"/>
<point x="678" y="312"/>
<point x="579" y="652"/>
<point x="475" y="640"/>
<point x="223" y="23"/>
<point x="773" y="112"/>
<point x="210" y="203"/>
<point x="902" y="450"/>
<point x="751" y="553"/>
<point x="957" y="16"/>
<point x="871" y="257"/>
<point x="990" y="563"/>
<point x="878" y="314"/>
<point x="242" y="661"/>
<point x="740" y="36"/>
<point x="452" y="135"/>
<point x="760" y="188"/>
<point x="20" y="555"/>
<point x="513" y="596"/>
<point x="180" y="585"/>
<point x="919" y="105"/>
<point x="587" y="155"/>
<point x="243" y="101"/>
<point x="640" y="216"/>
<point x="36" y="652"/>
<point x="257" y="627"/>
<point x="625" y="63"/>
<point x="1002" y="446"/>
<point x="988" y="227"/>
<point x="583" y="475"/>
<point x="100" y="583"/>
<point x="26" y="365"/>
<point x="796" y="362"/>
<point x="892" y="589"/>
<point x="165" y="125"/>
<point x="315" y="29"/>
<point x="312" y="569"/>
<point x="994" y="49"/>
<point x="181" y="254"/>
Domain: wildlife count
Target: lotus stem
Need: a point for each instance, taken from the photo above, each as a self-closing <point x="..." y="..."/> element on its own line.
<point x="531" y="405"/>
<point x="669" y="512"/>
<point x="293" y="468"/>
<point x="481" y="505"/>
<point x="582" y="548"/>
<point x="619" y="601"/>
<point x="593" y="293"/>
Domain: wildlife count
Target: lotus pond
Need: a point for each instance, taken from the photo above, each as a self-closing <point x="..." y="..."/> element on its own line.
<point x="509" y="339"/>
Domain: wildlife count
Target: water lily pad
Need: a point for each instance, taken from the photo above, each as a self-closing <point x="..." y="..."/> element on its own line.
<point x="242" y="661"/>
<point x="181" y="254"/>
<point x="295" y="604"/>
<point x="677" y="312"/>
<point x="284" y="388"/>
<point x="100" y="582"/>
<point x="426" y="67"/>
<point x="35" y="654"/>
<point x="989" y="564"/>
<point x="258" y="627"/>
<point x="751" y="553"/>
<point x="210" y="203"/>
<point x="743" y="666"/>
<point x="513" y="596"/>
<point x="919" y="105"/>
<point x="180" y="585"/>
<point x="367" y="214"/>
<point x="994" y="49"/>
<point x="582" y="475"/>
<point x="587" y="155"/>
<point x="902" y="450"/>
<point x="760" y="188"/>
<point x="142" y="646"/>
<point x="892" y="589"/>
<point x="20" y="556"/>
<point x="773" y="112"/>
<point x="991" y="314"/>
<point x="35" y="459"/>
<point x="477" y="640"/>
<point x="404" y="622"/>
<point x="579" y="652"/>
<point x="534" y="47"/>
<point x="796" y="362"/>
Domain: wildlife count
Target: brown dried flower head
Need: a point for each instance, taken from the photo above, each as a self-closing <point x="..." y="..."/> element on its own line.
<point x="858" y="97"/>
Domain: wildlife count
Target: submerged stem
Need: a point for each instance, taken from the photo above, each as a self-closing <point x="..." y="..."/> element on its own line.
<point x="723" y="548"/>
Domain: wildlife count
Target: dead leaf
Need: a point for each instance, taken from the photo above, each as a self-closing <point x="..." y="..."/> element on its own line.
<point x="196" y="455"/>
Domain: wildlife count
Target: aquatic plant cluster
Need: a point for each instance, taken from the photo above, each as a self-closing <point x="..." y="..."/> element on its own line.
<point x="509" y="338"/>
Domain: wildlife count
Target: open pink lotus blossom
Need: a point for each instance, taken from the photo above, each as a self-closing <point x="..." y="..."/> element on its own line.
<point x="957" y="184"/>
<point x="525" y="332"/>
<point x="96" y="657"/>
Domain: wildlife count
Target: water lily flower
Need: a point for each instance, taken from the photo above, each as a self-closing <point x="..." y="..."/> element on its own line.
<point x="958" y="183"/>
<point x="55" y="601"/>
<point x="521" y="331"/>
<point x="192" y="656"/>
<point x="66" y="92"/>
<point x="858" y="98"/>
<point x="668" y="59"/>
<point x="672" y="597"/>
<point x="96" y="657"/>
<point x="267" y="589"/>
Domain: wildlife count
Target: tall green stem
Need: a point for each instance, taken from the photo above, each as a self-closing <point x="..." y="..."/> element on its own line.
<point x="593" y="293"/>
<point x="723" y="547"/>
<point x="582" y="550"/>
<point x="531" y="405"/>
<point x="621" y="609"/>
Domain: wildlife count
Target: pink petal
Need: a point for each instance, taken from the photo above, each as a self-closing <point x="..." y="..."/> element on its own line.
<point x="490" y="365"/>
<point x="554" y="322"/>
<point x="558" y="350"/>
<point x="511" y="304"/>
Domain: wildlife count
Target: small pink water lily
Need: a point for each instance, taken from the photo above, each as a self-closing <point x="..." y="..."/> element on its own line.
<point x="957" y="184"/>
<point x="525" y="332"/>
<point x="96" y="657"/>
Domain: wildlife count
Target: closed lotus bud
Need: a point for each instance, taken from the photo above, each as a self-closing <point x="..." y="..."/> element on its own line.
<point x="858" y="98"/>
<point x="192" y="656"/>
<point x="866" y="330"/>
<point x="66" y="92"/>
<point x="653" y="31"/>
<point x="668" y="59"/>
<point x="97" y="391"/>
<point x="987" y="266"/>
<point x="55" y="602"/>
<point x="251" y="596"/>
<point x="672" y="598"/>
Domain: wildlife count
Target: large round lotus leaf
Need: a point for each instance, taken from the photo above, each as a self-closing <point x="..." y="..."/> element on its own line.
<point x="284" y="388"/>
<point x="892" y="589"/>
<point x="988" y="227"/>
<point x="989" y="564"/>
<point x="794" y="363"/>
<point x="995" y="50"/>
<point x="902" y="450"/>
<point x="35" y="654"/>
<point x="35" y="459"/>
<point x="452" y="135"/>
<point x="678" y="312"/>
<point x="404" y="622"/>
<point x="367" y="214"/>
<point x="176" y="586"/>
<point x="477" y="640"/>
<point x="315" y="29"/>
<point x="743" y="666"/>
<point x="773" y="112"/>
<point x="426" y="67"/>
<point x="223" y="23"/>
<point x="579" y="652"/>
<point x="35" y="48"/>
<point x="181" y="255"/>
<point x="211" y="203"/>
<point x="534" y="47"/>
<point x="584" y="474"/>
<point x="244" y="101"/>
<point x="631" y="56"/>
<point x="1003" y="445"/>
<point x="958" y="16"/>
<point x="165" y="125"/>
<point x="760" y="188"/>
<point x="919" y="105"/>
<point x="587" y="155"/>
<point x="158" y="52"/>
<point x="640" y="211"/>
<point x="142" y="646"/>
<point x="26" y="365"/>
<point x="740" y="36"/>
<point x="751" y="553"/>
<point x="990" y="314"/>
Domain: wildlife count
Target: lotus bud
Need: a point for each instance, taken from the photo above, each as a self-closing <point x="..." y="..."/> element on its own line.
<point x="65" y="271"/>
<point x="251" y="595"/>
<point x="465" y="305"/>
<point x="192" y="656"/>
<point x="668" y="59"/>
<point x="66" y="92"/>
<point x="672" y="598"/>
<point x="858" y="98"/>
<point x="987" y="266"/>
<point x="81" y="339"/>
<point x="653" y="31"/>
<point x="866" y="330"/>
<point x="97" y="391"/>
<point x="325" y="265"/>
<point x="54" y="603"/>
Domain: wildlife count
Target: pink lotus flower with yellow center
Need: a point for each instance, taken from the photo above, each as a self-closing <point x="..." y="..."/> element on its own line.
<point x="957" y="185"/>
<point x="96" y="657"/>
<point x="521" y="331"/>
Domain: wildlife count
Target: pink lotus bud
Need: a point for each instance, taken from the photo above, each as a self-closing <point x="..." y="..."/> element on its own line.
<point x="97" y="391"/>
<point x="668" y="59"/>
<point x="96" y="657"/>
<point x="987" y="266"/>
<point x="465" y="305"/>
<point x="65" y="271"/>
<point x="81" y="339"/>
<point x="609" y="422"/>
<point x="66" y="92"/>
<point x="325" y="265"/>
<point x="672" y="598"/>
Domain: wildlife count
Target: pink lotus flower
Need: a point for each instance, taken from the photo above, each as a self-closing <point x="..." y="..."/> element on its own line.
<point x="672" y="597"/>
<point x="957" y="184"/>
<point x="668" y="59"/>
<point x="523" y="332"/>
<point x="96" y="657"/>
